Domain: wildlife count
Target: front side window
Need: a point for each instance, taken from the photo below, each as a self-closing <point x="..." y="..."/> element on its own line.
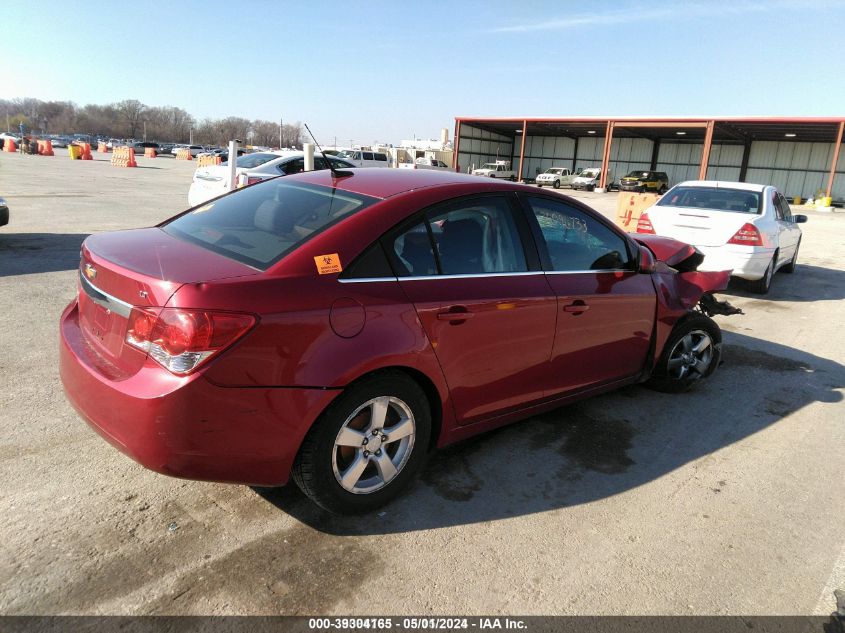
<point x="576" y="241"/>
<point x="261" y="224"/>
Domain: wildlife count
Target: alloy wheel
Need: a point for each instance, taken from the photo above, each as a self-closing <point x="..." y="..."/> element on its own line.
<point x="373" y="445"/>
<point x="691" y="357"/>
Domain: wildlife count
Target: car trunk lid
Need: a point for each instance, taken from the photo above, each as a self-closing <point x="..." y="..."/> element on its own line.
<point x="700" y="227"/>
<point x="142" y="268"/>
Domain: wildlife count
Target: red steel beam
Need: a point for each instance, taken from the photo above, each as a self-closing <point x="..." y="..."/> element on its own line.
<point x="605" y="160"/>
<point x="705" y="151"/>
<point x="835" y="158"/>
<point x="622" y="121"/>
<point x="455" y="165"/>
<point x="522" y="148"/>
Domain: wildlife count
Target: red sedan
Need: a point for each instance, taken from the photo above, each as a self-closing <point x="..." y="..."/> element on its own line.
<point x="337" y="326"/>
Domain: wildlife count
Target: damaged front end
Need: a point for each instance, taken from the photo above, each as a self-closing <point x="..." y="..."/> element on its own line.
<point x="681" y="287"/>
<point x="694" y="288"/>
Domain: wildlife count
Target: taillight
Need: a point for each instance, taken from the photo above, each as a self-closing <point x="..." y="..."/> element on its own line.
<point x="644" y="224"/>
<point x="251" y="180"/>
<point x="181" y="340"/>
<point x="748" y="235"/>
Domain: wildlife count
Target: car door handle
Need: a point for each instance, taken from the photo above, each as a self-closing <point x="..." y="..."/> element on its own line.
<point x="455" y="314"/>
<point x="576" y="307"/>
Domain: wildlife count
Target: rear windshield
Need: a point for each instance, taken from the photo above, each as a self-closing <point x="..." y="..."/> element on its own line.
<point x="262" y="223"/>
<point x="714" y="198"/>
<point x="251" y="161"/>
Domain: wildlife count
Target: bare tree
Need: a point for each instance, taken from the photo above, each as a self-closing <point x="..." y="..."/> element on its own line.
<point x="131" y="111"/>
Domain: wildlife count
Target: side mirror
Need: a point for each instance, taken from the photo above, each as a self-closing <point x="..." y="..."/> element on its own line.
<point x="646" y="262"/>
<point x="799" y="219"/>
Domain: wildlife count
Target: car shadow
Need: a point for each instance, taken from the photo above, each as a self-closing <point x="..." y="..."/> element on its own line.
<point x="807" y="283"/>
<point x="26" y="253"/>
<point x="594" y="449"/>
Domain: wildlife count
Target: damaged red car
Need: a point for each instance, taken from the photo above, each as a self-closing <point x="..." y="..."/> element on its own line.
<point x="334" y="327"/>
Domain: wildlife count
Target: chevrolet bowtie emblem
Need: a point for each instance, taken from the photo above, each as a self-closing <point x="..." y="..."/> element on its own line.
<point x="90" y="271"/>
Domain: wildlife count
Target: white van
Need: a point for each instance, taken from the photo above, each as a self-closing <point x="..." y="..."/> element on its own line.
<point x="365" y="158"/>
<point x="590" y="178"/>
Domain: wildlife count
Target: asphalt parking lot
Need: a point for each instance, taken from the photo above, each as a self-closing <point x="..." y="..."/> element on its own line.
<point x="725" y="500"/>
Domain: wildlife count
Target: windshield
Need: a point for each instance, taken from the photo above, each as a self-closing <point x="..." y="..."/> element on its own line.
<point x="590" y="173"/>
<point x="261" y="224"/>
<point x="554" y="170"/>
<point x="637" y="174"/>
<point x="714" y="198"/>
<point x="346" y="153"/>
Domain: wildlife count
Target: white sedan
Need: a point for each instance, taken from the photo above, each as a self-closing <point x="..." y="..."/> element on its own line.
<point x="212" y="181"/>
<point x="748" y="229"/>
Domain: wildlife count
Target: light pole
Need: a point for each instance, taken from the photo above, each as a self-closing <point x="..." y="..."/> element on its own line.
<point x="191" y="135"/>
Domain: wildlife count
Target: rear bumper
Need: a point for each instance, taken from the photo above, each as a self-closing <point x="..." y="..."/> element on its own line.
<point x="747" y="262"/>
<point x="187" y="426"/>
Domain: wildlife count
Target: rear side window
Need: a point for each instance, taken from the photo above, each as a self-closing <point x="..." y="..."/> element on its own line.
<point x="714" y="198"/>
<point x="382" y="157"/>
<point x="262" y="223"/>
<point x="368" y="156"/>
<point x="475" y="236"/>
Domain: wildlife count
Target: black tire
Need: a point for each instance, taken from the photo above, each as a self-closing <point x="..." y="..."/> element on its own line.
<point x="761" y="286"/>
<point x="790" y="267"/>
<point x="662" y="190"/>
<point x="492" y="175"/>
<point x="539" y="185"/>
<point x="314" y="470"/>
<point x="669" y="377"/>
<point x="556" y="184"/>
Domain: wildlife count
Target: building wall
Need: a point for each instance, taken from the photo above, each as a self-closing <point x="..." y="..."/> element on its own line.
<point x="796" y="168"/>
<point x="479" y="146"/>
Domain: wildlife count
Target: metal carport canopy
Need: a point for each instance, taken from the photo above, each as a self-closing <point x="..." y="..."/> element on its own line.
<point x="733" y="129"/>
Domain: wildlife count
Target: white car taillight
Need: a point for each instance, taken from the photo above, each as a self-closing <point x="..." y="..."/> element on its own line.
<point x="748" y="235"/>
<point x="181" y="340"/>
<point x="644" y="224"/>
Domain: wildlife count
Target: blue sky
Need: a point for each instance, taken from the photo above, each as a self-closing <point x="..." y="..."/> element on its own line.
<point x="383" y="71"/>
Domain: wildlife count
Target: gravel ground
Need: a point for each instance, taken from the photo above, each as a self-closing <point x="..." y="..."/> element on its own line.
<point x="725" y="500"/>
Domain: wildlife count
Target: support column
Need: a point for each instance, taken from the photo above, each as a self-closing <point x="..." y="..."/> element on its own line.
<point x="575" y="155"/>
<point x="522" y="149"/>
<point x="746" y="154"/>
<point x="457" y="146"/>
<point x="835" y="158"/>
<point x="655" y="152"/>
<point x="605" y="161"/>
<point x="705" y="151"/>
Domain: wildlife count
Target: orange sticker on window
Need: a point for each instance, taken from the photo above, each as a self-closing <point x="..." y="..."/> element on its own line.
<point x="327" y="264"/>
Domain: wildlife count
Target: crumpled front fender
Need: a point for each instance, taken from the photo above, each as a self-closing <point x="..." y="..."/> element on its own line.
<point x="677" y="294"/>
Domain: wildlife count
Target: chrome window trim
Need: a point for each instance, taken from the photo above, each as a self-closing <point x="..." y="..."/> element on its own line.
<point x="367" y="280"/>
<point x="430" y="277"/>
<point x="577" y="272"/>
<point x="104" y="299"/>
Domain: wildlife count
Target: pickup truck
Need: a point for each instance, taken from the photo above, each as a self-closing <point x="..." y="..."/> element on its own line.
<point x="498" y="169"/>
<point x="557" y="177"/>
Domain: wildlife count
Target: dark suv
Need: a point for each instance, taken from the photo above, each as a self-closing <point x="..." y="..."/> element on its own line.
<point x="645" y="181"/>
